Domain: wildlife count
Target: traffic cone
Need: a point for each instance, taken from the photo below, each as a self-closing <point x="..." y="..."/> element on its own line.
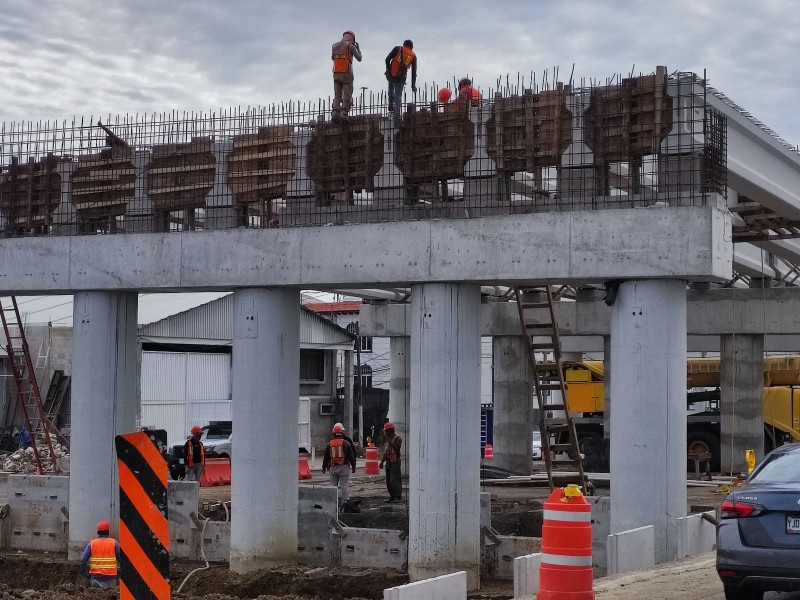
<point x="488" y="452"/>
<point x="371" y="464"/>
<point x="566" y="568"/>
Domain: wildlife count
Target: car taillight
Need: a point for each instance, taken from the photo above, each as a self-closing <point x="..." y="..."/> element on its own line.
<point x="732" y="509"/>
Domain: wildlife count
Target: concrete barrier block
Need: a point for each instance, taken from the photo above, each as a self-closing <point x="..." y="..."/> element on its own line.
<point x="317" y="510"/>
<point x="601" y="528"/>
<point x="216" y="540"/>
<point x="445" y="587"/>
<point x="182" y="498"/>
<point x="375" y="548"/>
<point x="526" y="574"/>
<point x="695" y="535"/>
<point x="37" y="519"/>
<point x="631" y="550"/>
<point x="3" y="487"/>
<point x="497" y="560"/>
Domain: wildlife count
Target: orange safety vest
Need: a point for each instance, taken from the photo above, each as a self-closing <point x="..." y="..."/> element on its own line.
<point x="190" y="444"/>
<point x="103" y="557"/>
<point x="402" y="60"/>
<point x="341" y="57"/>
<point x="337" y="451"/>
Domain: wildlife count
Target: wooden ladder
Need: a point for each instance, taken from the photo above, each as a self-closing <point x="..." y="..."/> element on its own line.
<point x="549" y="377"/>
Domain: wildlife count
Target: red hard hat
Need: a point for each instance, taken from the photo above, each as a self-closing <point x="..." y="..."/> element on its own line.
<point x="104" y="526"/>
<point x="348" y="32"/>
<point x="444" y="95"/>
<point x="338" y="429"/>
<point x="388" y="426"/>
<point x="464" y="81"/>
<point x="197" y="429"/>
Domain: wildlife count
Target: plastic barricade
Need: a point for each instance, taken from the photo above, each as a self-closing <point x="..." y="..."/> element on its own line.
<point x="217" y="472"/>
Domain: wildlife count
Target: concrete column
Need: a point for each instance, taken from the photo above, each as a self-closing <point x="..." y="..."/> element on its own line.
<point x="607" y="387"/>
<point x="444" y="440"/>
<point x="576" y="177"/>
<point x="104" y="404"/>
<point x="741" y="400"/>
<point x="301" y="184"/>
<point x="680" y="165"/>
<point x="513" y="405"/>
<point x="220" y="203"/>
<point x="139" y="212"/>
<point x="65" y="217"/>
<point x="388" y="181"/>
<point x="481" y="183"/>
<point x="266" y="388"/>
<point x="399" y="373"/>
<point x="648" y="385"/>
<point x="348" y="391"/>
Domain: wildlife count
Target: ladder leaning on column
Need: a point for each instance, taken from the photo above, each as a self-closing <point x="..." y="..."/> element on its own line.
<point x="28" y="392"/>
<point x="549" y="376"/>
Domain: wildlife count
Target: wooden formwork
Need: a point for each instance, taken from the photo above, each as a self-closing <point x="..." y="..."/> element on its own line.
<point x="530" y="131"/>
<point x="344" y="157"/>
<point x="262" y="164"/>
<point x="30" y="193"/>
<point x="103" y="183"/>
<point x="180" y="176"/>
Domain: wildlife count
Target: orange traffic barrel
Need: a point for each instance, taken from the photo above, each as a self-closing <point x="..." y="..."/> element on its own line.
<point x="371" y="464"/>
<point x="488" y="452"/>
<point x="566" y="567"/>
<point x="303" y="470"/>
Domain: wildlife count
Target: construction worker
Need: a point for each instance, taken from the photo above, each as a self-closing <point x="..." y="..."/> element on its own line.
<point x="195" y="454"/>
<point x="391" y="459"/>
<point x="340" y="459"/>
<point x="342" y="54"/>
<point x="100" y="559"/>
<point x="346" y="438"/>
<point x="468" y="93"/>
<point x="398" y="61"/>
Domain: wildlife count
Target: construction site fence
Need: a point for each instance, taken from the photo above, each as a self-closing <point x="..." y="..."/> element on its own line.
<point x="630" y="142"/>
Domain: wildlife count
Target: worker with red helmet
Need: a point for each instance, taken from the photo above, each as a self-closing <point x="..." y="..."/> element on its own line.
<point x="195" y="454"/>
<point x="340" y="459"/>
<point x="342" y="53"/>
<point x="100" y="559"/>
<point x="391" y="459"/>
<point x="468" y="93"/>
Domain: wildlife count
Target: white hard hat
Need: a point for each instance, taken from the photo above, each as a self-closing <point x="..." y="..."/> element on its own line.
<point x="335" y="425"/>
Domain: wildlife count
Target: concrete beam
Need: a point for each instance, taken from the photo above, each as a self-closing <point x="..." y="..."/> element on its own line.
<point x="686" y="242"/>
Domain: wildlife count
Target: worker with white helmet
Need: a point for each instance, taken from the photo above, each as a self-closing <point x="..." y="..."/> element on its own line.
<point x="340" y="459"/>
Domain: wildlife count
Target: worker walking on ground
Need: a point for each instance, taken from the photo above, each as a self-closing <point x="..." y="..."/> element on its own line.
<point x="340" y="459"/>
<point x="343" y="53"/>
<point x="195" y="455"/>
<point x="391" y="459"/>
<point x="398" y="62"/>
<point x="100" y="559"/>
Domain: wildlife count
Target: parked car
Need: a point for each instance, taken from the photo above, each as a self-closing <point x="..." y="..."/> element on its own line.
<point x="537" y="445"/>
<point x="758" y="536"/>
<point x="216" y="438"/>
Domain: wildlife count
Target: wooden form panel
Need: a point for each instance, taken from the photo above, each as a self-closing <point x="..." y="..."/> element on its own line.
<point x="103" y="183"/>
<point x="262" y="164"/>
<point x="30" y="192"/>
<point x="180" y="176"/>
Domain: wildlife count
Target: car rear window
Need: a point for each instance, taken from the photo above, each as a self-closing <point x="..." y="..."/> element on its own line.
<point x="779" y="468"/>
<point x="215" y="432"/>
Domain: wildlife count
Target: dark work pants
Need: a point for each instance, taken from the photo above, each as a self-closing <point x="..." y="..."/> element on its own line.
<point x="394" y="482"/>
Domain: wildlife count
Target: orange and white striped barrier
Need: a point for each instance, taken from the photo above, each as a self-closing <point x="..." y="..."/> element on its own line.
<point x="566" y="568"/>
<point x="371" y="464"/>
<point x="488" y="452"/>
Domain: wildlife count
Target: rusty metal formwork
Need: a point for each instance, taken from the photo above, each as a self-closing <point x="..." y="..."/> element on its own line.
<point x="103" y="184"/>
<point x="30" y="193"/>
<point x="344" y="157"/>
<point x="262" y="164"/>
<point x="180" y="176"/>
<point x="529" y="131"/>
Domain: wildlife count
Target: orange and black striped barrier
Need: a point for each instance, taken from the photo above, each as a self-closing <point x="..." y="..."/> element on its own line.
<point x="143" y="528"/>
<point x="566" y="564"/>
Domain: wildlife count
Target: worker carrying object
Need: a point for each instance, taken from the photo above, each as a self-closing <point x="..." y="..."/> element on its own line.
<point x="398" y="62"/>
<point x="340" y="459"/>
<point x="342" y="54"/>
<point x="391" y="459"/>
<point x="195" y="454"/>
<point x="100" y="559"/>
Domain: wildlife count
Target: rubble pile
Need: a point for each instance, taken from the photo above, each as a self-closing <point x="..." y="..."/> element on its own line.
<point x="24" y="460"/>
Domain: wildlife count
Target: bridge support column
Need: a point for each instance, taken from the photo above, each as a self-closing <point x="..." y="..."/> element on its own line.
<point x="741" y="400"/>
<point x="221" y="210"/>
<point x="648" y="385"/>
<point x="513" y="405"/>
<point x="266" y="387"/>
<point x="399" y="373"/>
<point x="443" y="445"/>
<point x="104" y="404"/>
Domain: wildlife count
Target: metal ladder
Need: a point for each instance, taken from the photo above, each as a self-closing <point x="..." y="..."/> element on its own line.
<point x="28" y="392"/>
<point x="549" y="376"/>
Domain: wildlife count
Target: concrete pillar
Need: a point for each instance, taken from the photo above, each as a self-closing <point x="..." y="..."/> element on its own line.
<point x="513" y="405"/>
<point x="444" y="440"/>
<point x="301" y="184"/>
<point x="139" y="217"/>
<point x="399" y="374"/>
<point x="741" y="400"/>
<point x="104" y="404"/>
<point x="220" y="209"/>
<point x="606" y="387"/>
<point x="65" y="217"/>
<point x="680" y="165"/>
<point x="266" y="388"/>
<point x="576" y="176"/>
<point x="481" y="183"/>
<point x="348" y="391"/>
<point x="388" y="181"/>
<point x="648" y="385"/>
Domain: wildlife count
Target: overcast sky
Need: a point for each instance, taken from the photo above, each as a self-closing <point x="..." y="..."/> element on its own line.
<point x="93" y="57"/>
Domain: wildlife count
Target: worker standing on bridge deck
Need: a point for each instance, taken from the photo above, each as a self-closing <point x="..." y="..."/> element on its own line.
<point x="340" y="459"/>
<point x="343" y="53"/>
<point x="100" y="559"/>
<point x="398" y="62"/>
<point x="391" y="459"/>
<point x="195" y="455"/>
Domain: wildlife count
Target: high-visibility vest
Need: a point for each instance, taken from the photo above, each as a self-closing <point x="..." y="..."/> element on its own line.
<point x="401" y="61"/>
<point x="341" y="57"/>
<point x="337" y="451"/>
<point x="103" y="557"/>
<point x="190" y="449"/>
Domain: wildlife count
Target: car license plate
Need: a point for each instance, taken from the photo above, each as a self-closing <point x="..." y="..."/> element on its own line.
<point x="792" y="524"/>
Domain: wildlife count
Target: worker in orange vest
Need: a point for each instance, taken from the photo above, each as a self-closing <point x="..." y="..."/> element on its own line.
<point x="100" y="559"/>
<point x="195" y="454"/>
<point x="398" y="62"/>
<point x="343" y="53"/>
<point x="391" y="459"/>
<point x="468" y="93"/>
<point x="340" y="459"/>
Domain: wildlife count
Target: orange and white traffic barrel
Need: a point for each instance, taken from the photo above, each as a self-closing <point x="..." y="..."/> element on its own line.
<point x="566" y="567"/>
<point x="488" y="452"/>
<point x="371" y="464"/>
